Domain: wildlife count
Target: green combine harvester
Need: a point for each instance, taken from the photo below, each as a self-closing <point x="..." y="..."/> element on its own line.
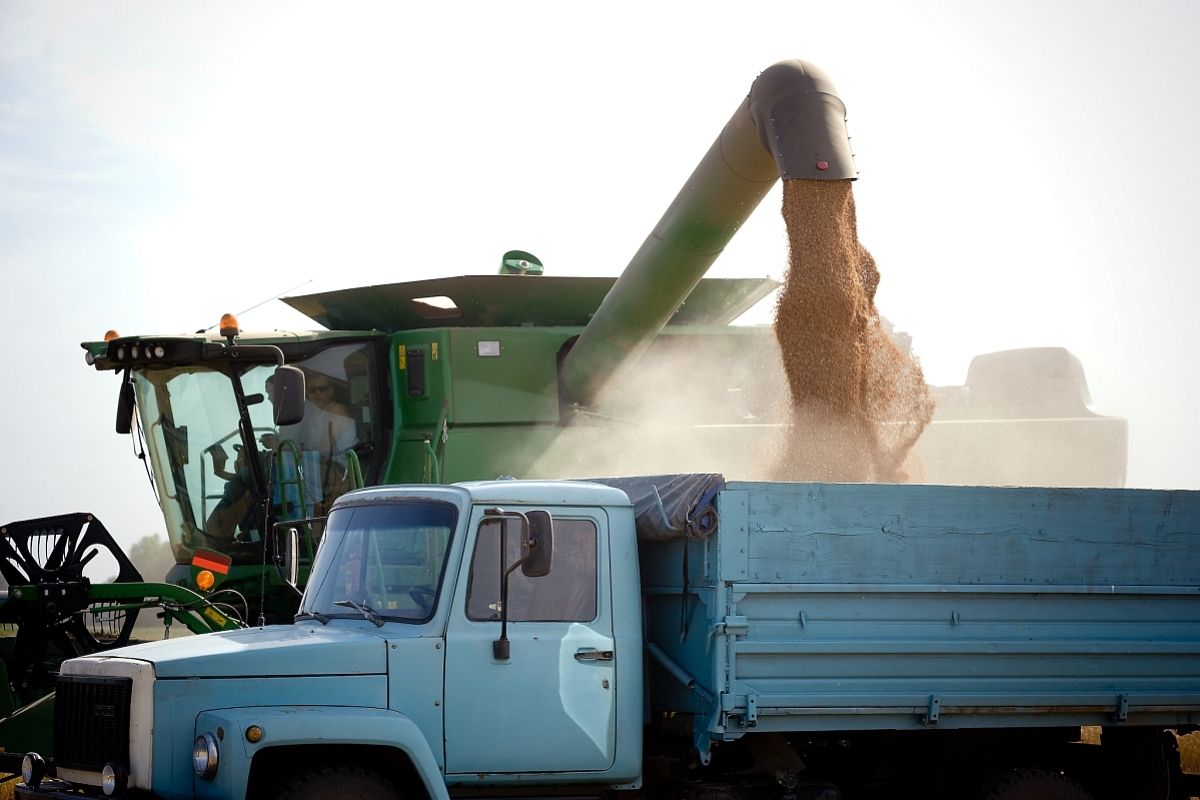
<point x="479" y="376"/>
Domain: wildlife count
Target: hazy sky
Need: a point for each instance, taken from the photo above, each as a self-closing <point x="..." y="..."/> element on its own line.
<point x="1029" y="177"/>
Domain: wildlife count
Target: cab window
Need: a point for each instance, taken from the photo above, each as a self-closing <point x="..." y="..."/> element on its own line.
<point x="566" y="594"/>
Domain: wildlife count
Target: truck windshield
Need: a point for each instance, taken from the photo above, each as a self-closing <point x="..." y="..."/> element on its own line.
<point x="385" y="560"/>
<point x="202" y="466"/>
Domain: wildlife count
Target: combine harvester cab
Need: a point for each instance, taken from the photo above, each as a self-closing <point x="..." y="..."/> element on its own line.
<point x="228" y="469"/>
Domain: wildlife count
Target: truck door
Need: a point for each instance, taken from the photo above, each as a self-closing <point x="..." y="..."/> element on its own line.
<point x="551" y="707"/>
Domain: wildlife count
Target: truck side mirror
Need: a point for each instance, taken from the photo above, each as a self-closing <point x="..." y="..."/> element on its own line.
<point x="125" y="405"/>
<point x="286" y="393"/>
<point x="538" y="545"/>
<point x="285" y="543"/>
<point x="291" y="558"/>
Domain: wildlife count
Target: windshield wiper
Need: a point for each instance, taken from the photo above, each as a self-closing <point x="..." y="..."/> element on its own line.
<point x="365" y="610"/>
<point x="321" y="618"/>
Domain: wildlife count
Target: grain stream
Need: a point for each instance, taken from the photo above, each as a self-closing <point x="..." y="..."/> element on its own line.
<point x="859" y="403"/>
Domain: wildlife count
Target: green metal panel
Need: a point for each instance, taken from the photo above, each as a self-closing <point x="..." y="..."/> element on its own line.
<point x="510" y="300"/>
<point x="517" y="384"/>
<point x="408" y="461"/>
<point x="421" y="364"/>
<point x="482" y="453"/>
<point x="470" y="453"/>
<point x="444" y="386"/>
<point x="30" y="729"/>
<point x="701" y="399"/>
<point x="503" y="414"/>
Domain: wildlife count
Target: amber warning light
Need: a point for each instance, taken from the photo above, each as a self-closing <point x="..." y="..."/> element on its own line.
<point x="229" y="326"/>
<point x="206" y="566"/>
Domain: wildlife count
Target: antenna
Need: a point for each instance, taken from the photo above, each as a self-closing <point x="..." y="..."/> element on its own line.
<point x="262" y="303"/>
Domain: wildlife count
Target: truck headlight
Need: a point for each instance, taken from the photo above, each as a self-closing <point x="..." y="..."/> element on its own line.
<point x="205" y="756"/>
<point x="33" y="769"/>
<point x="113" y="779"/>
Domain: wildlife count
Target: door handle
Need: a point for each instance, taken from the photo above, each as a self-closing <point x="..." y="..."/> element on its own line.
<point x="592" y="654"/>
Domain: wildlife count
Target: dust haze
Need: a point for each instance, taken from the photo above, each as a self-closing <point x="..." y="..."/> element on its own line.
<point x="830" y="395"/>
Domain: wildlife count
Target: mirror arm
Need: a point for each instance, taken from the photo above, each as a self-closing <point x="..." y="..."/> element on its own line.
<point x="500" y="647"/>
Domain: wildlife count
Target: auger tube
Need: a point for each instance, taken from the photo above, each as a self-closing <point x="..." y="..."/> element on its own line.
<point x="792" y="125"/>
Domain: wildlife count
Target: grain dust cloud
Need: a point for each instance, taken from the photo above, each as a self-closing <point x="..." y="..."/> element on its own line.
<point x="824" y="395"/>
<point x="859" y="403"/>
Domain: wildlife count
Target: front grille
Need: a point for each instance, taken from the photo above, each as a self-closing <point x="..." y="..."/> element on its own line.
<point x="91" y="721"/>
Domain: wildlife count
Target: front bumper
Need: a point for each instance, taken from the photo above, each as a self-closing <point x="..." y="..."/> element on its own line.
<point x="55" y="789"/>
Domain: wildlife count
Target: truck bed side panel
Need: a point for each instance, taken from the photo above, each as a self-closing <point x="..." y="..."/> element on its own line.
<point x="855" y="607"/>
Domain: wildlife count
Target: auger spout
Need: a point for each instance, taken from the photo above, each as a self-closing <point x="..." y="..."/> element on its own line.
<point x="791" y="125"/>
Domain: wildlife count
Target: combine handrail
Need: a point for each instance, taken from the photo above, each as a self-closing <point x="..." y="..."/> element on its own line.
<point x="295" y="479"/>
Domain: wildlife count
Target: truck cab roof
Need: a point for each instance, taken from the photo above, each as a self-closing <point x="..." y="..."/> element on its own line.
<point x="500" y="492"/>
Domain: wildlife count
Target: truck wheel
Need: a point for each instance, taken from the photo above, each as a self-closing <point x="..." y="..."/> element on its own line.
<point x="340" y="783"/>
<point x="1034" y="784"/>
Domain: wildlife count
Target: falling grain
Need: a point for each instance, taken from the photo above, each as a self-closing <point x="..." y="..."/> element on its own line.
<point x="859" y="402"/>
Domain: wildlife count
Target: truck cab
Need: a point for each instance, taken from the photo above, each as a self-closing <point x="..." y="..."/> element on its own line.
<point x="392" y="669"/>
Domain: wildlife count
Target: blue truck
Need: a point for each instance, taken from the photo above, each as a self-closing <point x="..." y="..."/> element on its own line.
<point x="679" y="636"/>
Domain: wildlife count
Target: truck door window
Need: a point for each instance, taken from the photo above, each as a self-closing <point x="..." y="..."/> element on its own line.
<point x="566" y="594"/>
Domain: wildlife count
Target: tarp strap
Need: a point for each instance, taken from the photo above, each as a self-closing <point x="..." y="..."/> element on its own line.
<point x="683" y="599"/>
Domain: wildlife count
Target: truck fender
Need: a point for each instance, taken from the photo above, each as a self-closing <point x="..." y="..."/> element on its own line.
<point x="290" y="726"/>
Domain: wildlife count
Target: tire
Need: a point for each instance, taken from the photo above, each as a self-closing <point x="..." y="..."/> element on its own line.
<point x="1145" y="763"/>
<point x="1034" y="784"/>
<point x="340" y="783"/>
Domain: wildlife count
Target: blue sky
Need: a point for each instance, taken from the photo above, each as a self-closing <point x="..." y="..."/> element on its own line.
<point x="1028" y="177"/>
